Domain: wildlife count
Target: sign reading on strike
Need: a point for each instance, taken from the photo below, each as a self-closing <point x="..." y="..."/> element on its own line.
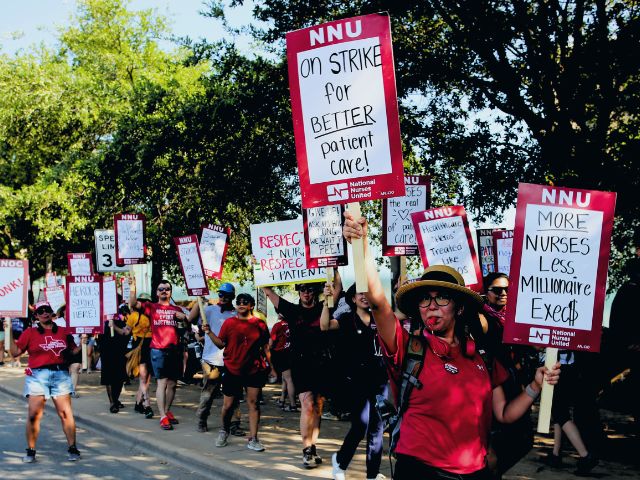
<point x="278" y="248"/>
<point x="55" y="296"/>
<point x="398" y="235"/>
<point x="79" y="264"/>
<point x="325" y="246"/>
<point x="14" y="287"/>
<point x="84" y="303"/>
<point x="559" y="267"/>
<point x="503" y="247"/>
<point x="191" y="265"/>
<point x="129" y="232"/>
<point x="106" y="251"/>
<point x="444" y="239"/>
<point x="109" y="297"/>
<point x="214" y="242"/>
<point x="345" y="111"/>
<point x="485" y="250"/>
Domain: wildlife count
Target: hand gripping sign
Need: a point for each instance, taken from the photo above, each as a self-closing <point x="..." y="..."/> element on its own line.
<point x="191" y="265"/>
<point x="345" y="111"/>
<point x="503" y="248"/>
<point x="130" y="238"/>
<point x="214" y="242"/>
<point x="79" y="264"/>
<point x="323" y="241"/>
<point x="84" y="303"/>
<point x="444" y="239"/>
<point x="14" y="287"/>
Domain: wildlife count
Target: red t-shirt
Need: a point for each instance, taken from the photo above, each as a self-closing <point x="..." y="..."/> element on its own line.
<point x="243" y="341"/>
<point x="447" y="422"/>
<point x="280" y="336"/>
<point x="164" y="333"/>
<point x="45" y="348"/>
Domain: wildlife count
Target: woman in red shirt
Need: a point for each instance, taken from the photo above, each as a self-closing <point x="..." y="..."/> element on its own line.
<point x="445" y="427"/>
<point x="47" y="377"/>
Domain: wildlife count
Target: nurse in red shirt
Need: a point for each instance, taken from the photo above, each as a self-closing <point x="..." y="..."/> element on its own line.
<point x="47" y="377"/>
<point x="445" y="427"/>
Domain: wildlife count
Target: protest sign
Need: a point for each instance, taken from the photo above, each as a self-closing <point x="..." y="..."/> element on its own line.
<point x="191" y="265"/>
<point x="345" y="111"/>
<point x="14" y="287"/>
<point x="105" y="241"/>
<point x="444" y="239"/>
<point x="559" y="267"/>
<point x="50" y="279"/>
<point x="109" y="297"/>
<point x="125" y="289"/>
<point x="79" y="264"/>
<point x="278" y="248"/>
<point x="502" y="247"/>
<point x="55" y="296"/>
<point x="261" y="303"/>
<point x="398" y="235"/>
<point x="129" y="232"/>
<point x="323" y="241"/>
<point x="485" y="250"/>
<point x="84" y="303"/>
<point x="214" y="242"/>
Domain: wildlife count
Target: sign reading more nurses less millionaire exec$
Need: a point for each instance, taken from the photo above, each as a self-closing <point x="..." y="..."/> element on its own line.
<point x="191" y="265"/>
<point x="323" y="241"/>
<point x="345" y="111"/>
<point x="559" y="267"/>
<point x="14" y="287"/>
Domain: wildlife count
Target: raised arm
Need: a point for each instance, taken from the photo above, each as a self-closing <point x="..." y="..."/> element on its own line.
<point x="214" y="338"/>
<point x="326" y="322"/>
<point x="271" y="295"/>
<point x="133" y="300"/>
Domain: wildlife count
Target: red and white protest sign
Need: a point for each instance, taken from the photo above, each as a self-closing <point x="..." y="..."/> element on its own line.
<point x="444" y="238"/>
<point x="323" y="241"/>
<point x="109" y="297"/>
<point x="398" y="235"/>
<point x="559" y="267"/>
<point x="503" y="248"/>
<point x="191" y="265"/>
<point x="129" y="230"/>
<point x="79" y="264"/>
<point x="278" y="248"/>
<point x="125" y="289"/>
<point x="214" y="242"/>
<point x="484" y="237"/>
<point x="55" y="296"/>
<point x="14" y="287"/>
<point x="84" y="303"/>
<point x="345" y="111"/>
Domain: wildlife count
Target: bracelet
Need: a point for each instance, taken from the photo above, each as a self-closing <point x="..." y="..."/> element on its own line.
<point x="531" y="392"/>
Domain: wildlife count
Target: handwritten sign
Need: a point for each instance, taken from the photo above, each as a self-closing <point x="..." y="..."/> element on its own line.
<point x="323" y="241"/>
<point x="109" y="297"/>
<point x="14" y="287"/>
<point x="84" y="303"/>
<point x="79" y="264"/>
<point x="105" y="241"/>
<point x="214" y="242"/>
<point x="50" y="279"/>
<point x="345" y="111"/>
<point x="398" y="235"/>
<point x="503" y="247"/>
<point x="191" y="265"/>
<point x="55" y="296"/>
<point x="279" y="251"/>
<point x="559" y="267"/>
<point x="444" y="239"/>
<point x="130" y="238"/>
<point x="484" y="237"/>
<point x="125" y="289"/>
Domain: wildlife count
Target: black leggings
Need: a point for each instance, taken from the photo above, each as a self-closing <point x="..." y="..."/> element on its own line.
<point x="410" y="468"/>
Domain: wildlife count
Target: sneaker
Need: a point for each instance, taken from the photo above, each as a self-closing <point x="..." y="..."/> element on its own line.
<point x="254" y="444"/>
<point x="75" y="395"/>
<point x="236" y="430"/>
<point x="119" y="404"/>
<point x="316" y="458"/>
<point x="165" y="424"/>
<point x="337" y="472"/>
<point x="30" y="457"/>
<point x="148" y="413"/>
<point x="586" y="464"/>
<point x="73" y="454"/>
<point x="378" y="477"/>
<point x="330" y="416"/>
<point x="139" y="408"/>
<point x="307" y="458"/>
<point x="172" y="419"/>
<point x="202" y="426"/>
<point x="553" y="460"/>
<point x="221" y="441"/>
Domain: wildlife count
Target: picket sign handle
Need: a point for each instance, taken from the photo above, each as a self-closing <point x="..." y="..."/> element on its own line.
<point x="357" y="244"/>
<point x="201" y="306"/>
<point x="544" y="415"/>
<point x="7" y="336"/>
<point x="85" y="357"/>
<point x="330" y="280"/>
<point x="113" y="332"/>
<point x="403" y="270"/>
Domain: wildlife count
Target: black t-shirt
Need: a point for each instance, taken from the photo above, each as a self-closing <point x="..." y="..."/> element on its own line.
<point x="362" y="355"/>
<point x="304" y="327"/>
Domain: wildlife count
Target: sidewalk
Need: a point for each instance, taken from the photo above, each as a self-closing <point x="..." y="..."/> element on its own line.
<point x="278" y="431"/>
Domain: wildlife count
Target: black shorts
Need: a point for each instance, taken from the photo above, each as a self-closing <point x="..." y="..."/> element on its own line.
<point x="145" y="353"/>
<point x="232" y="385"/>
<point x="312" y="375"/>
<point x="167" y="363"/>
<point x="281" y="360"/>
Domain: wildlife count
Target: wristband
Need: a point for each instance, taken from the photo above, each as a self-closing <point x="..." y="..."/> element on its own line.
<point x="531" y="392"/>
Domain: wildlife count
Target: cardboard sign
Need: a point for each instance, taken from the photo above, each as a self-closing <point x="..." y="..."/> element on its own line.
<point x="50" y="279"/>
<point x="444" y="239"/>
<point x="484" y="237"/>
<point x="79" y="264"/>
<point x="398" y="235"/>
<point x="105" y="241"/>
<point x="261" y="302"/>
<point x="191" y="265"/>
<point x="125" y="289"/>
<point x="84" y="303"/>
<point x="345" y="111"/>
<point x="503" y="247"/>
<point x="109" y="297"/>
<point x="323" y="241"/>
<point x="279" y="251"/>
<point x="14" y="287"/>
<point x="55" y="296"/>
<point x="214" y="242"/>
<point x="129" y="232"/>
<point x="559" y="267"/>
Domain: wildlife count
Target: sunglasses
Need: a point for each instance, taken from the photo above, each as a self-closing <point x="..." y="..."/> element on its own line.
<point x="224" y="294"/>
<point x="307" y="289"/>
<point x="242" y="301"/>
<point x="42" y="310"/>
<point x="498" y="290"/>
<point x="441" y="301"/>
<point x="163" y="289"/>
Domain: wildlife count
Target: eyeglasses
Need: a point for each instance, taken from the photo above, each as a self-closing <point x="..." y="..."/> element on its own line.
<point x="306" y="289"/>
<point x="441" y="300"/>
<point x="42" y="310"/>
<point x="242" y="301"/>
<point x="163" y="289"/>
<point x="498" y="290"/>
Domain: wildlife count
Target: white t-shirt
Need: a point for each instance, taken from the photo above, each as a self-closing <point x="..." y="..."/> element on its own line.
<point x="215" y="318"/>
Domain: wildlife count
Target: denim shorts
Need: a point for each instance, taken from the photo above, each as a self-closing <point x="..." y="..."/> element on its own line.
<point x="166" y="363"/>
<point x="50" y="383"/>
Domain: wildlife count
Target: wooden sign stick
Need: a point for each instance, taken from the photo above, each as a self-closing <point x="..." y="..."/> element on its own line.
<point x="85" y="358"/>
<point x="7" y="337"/>
<point x="113" y="332"/>
<point x="403" y="270"/>
<point x="358" y="253"/>
<point x="544" y="415"/>
<point x="330" y="280"/>
<point x="201" y="306"/>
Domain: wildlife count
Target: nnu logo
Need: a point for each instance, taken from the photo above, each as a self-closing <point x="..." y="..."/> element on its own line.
<point x="539" y="335"/>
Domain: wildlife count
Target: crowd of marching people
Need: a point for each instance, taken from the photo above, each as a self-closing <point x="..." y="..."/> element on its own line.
<point x="432" y="371"/>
